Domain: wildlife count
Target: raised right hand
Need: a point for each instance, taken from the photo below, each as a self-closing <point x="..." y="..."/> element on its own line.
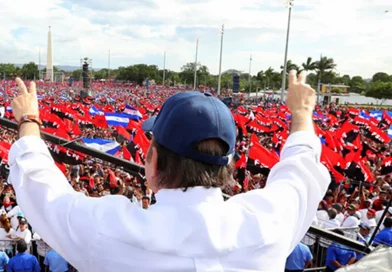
<point x="301" y="97"/>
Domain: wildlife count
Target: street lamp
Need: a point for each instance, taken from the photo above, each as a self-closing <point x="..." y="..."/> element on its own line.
<point x="195" y="77"/>
<point x="290" y="5"/>
<point x="220" y="60"/>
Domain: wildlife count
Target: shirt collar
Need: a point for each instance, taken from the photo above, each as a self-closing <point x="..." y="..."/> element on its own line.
<point x="191" y="196"/>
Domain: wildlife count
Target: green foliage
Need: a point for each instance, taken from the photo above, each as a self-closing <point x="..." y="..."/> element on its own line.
<point x="322" y="66"/>
<point x="309" y="65"/>
<point x="101" y="74"/>
<point x="380" y="90"/>
<point x="30" y="70"/>
<point x="357" y="85"/>
<point x="77" y="74"/>
<point x="382" y="77"/>
<point x="336" y="90"/>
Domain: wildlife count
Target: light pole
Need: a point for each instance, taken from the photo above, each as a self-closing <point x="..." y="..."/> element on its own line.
<point x="290" y="4"/>
<point x="164" y="67"/>
<point x="220" y="60"/>
<point x="195" y="78"/>
<point x="109" y="66"/>
<point x="250" y="77"/>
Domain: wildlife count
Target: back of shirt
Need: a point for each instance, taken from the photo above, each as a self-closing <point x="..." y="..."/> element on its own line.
<point x="55" y="262"/>
<point x="297" y="259"/>
<point x="23" y="263"/>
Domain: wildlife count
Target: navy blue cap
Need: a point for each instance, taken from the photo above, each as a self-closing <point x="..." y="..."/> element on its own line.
<point x="189" y="118"/>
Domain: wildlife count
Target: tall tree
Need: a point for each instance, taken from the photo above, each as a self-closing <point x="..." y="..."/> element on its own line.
<point x="30" y="70"/>
<point x="269" y="73"/>
<point x="290" y="66"/>
<point x="382" y="77"/>
<point x="323" y="65"/>
<point x="357" y="84"/>
<point x="309" y="65"/>
<point x="380" y="90"/>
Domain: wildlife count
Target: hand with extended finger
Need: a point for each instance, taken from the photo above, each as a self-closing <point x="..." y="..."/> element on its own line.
<point x="26" y="103"/>
<point x="300" y="97"/>
<point x="301" y="101"/>
<point x="25" y="107"/>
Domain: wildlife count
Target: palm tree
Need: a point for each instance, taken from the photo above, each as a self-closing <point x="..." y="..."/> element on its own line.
<point x="309" y="65"/>
<point x="290" y="66"/>
<point x="323" y="65"/>
<point x="268" y="75"/>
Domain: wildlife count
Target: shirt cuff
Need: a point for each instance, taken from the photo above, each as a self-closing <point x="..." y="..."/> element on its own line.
<point x="303" y="138"/>
<point x="27" y="144"/>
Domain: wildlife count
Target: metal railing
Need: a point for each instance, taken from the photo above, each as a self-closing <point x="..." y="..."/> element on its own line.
<point x="139" y="169"/>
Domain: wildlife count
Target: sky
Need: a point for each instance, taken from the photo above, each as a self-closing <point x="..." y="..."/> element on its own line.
<point x="355" y="33"/>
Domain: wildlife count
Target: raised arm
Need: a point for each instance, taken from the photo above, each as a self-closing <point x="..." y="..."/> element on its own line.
<point x="67" y="220"/>
<point x="296" y="185"/>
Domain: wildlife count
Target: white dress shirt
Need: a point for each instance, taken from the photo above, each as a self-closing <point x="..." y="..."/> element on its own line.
<point x="194" y="230"/>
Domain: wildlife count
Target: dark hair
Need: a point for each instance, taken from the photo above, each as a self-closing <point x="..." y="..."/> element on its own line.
<point x="337" y="207"/>
<point x="145" y="197"/>
<point x="176" y="171"/>
<point x="332" y="213"/>
<point x="388" y="222"/>
<point x="21" y="246"/>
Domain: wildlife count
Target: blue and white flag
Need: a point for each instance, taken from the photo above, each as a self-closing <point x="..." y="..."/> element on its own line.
<point x="117" y="119"/>
<point x="376" y="114"/>
<point x="9" y="108"/>
<point x="132" y="113"/>
<point x="103" y="145"/>
<point x="93" y="111"/>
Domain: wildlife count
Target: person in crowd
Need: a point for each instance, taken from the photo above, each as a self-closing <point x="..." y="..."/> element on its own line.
<point x="4" y="259"/>
<point x="332" y="223"/>
<point x="322" y="212"/>
<point x="55" y="262"/>
<point x="188" y="162"/>
<point x="145" y="202"/>
<point x="15" y="215"/>
<point x="377" y="204"/>
<point x="370" y="218"/>
<point x="339" y="210"/>
<point x="384" y="237"/>
<point x="363" y="237"/>
<point x="351" y="218"/>
<point x="23" y="261"/>
<point x="339" y="256"/>
<point x="8" y="205"/>
<point x="22" y="233"/>
<point x="299" y="259"/>
<point x="5" y="234"/>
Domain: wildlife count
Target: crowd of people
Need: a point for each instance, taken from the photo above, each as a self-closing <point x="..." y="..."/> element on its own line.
<point x="355" y="148"/>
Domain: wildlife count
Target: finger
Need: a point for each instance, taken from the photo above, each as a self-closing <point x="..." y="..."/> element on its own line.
<point x="302" y="77"/>
<point x="292" y="77"/>
<point x="33" y="89"/>
<point x="21" y="85"/>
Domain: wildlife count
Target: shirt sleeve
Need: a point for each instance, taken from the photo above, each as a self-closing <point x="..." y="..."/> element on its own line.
<point x="46" y="262"/>
<point x="67" y="220"/>
<point x="295" y="186"/>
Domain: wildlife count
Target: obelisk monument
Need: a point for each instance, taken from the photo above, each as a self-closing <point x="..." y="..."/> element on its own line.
<point x="49" y="60"/>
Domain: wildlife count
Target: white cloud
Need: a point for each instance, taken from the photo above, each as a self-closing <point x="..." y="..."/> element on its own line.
<point x="356" y="33"/>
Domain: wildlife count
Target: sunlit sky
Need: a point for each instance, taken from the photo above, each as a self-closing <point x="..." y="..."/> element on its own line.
<point x="355" y="33"/>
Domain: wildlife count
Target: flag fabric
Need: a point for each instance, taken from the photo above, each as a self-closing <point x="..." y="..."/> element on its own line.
<point x="116" y="119"/>
<point x="94" y="111"/>
<point x="122" y="134"/>
<point x="103" y="145"/>
<point x="132" y="113"/>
